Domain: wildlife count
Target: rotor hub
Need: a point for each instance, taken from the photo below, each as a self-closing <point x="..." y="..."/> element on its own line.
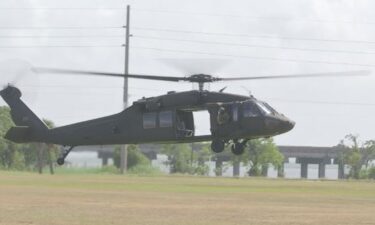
<point x="201" y="79"/>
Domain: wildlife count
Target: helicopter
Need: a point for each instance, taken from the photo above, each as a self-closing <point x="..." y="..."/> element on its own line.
<point x="234" y="119"/>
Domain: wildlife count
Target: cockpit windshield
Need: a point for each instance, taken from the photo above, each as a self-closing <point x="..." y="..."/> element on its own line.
<point x="270" y="107"/>
<point x="250" y="109"/>
<point x="256" y="108"/>
<point x="265" y="108"/>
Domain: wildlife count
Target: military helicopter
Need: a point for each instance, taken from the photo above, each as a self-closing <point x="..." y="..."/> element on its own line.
<point x="234" y="119"/>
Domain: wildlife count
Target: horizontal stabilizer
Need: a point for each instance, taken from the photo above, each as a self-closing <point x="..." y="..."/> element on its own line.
<point x="19" y="134"/>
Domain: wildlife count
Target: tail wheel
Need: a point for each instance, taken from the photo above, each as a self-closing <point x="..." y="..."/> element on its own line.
<point x="217" y="146"/>
<point x="60" y="161"/>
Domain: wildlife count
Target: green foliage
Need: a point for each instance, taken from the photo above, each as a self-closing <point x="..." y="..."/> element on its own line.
<point x="22" y="156"/>
<point x="368" y="152"/>
<point x="180" y="157"/>
<point x="353" y="156"/>
<point x="259" y="154"/>
<point x="98" y="170"/>
<point x="135" y="157"/>
<point x="371" y="173"/>
<point x="143" y="169"/>
<point x="202" y="156"/>
<point x="183" y="159"/>
<point x="202" y="170"/>
<point x="107" y="169"/>
<point x="357" y="155"/>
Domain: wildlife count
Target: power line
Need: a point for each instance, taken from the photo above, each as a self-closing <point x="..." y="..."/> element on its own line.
<point x="194" y="52"/>
<point x="322" y="102"/>
<point x="297" y="20"/>
<point x="258" y="57"/>
<point x="193" y="32"/>
<point x="59" y="28"/>
<point x="61" y="36"/>
<point x="178" y="12"/>
<point x="255" y="46"/>
<point x="187" y="40"/>
<point x="253" y="36"/>
<point x="61" y="8"/>
<point x="61" y="46"/>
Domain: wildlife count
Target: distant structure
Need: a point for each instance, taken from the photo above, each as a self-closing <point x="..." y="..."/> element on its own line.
<point x="303" y="155"/>
<point x="314" y="155"/>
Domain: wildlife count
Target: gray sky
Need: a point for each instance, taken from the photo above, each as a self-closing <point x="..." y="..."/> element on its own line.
<point x="283" y="31"/>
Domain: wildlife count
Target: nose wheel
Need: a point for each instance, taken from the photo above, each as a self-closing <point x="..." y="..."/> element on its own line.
<point x="61" y="160"/>
<point x="238" y="148"/>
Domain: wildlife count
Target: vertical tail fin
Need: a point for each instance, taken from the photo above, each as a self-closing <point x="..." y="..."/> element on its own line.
<point x="22" y="115"/>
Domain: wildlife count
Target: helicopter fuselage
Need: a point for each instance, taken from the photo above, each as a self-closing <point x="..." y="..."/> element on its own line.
<point x="169" y="119"/>
<point x="163" y="119"/>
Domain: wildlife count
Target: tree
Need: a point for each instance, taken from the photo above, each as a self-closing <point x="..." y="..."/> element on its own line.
<point x="9" y="156"/>
<point x="179" y="157"/>
<point x="262" y="153"/>
<point x="357" y="155"/>
<point x="22" y="156"/>
<point x="203" y="155"/>
<point x="259" y="154"/>
<point x="371" y="173"/>
<point x="135" y="157"/>
<point x="188" y="158"/>
<point x="368" y="152"/>
<point x="352" y="155"/>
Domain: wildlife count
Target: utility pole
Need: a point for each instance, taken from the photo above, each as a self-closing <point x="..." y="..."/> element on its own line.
<point x="124" y="150"/>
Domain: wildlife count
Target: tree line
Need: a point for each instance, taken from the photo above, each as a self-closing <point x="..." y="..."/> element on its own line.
<point x="183" y="158"/>
<point x="30" y="156"/>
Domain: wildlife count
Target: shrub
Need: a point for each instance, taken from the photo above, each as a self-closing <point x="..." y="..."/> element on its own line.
<point x="371" y="173"/>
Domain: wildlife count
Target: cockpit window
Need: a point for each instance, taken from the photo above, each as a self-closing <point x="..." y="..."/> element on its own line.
<point x="263" y="108"/>
<point x="249" y="109"/>
<point x="270" y="108"/>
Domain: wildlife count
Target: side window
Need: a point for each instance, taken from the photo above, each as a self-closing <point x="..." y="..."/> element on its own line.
<point x="235" y="112"/>
<point x="249" y="110"/>
<point x="166" y="119"/>
<point x="149" y="120"/>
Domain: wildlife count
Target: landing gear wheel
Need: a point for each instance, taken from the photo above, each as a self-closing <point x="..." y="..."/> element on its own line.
<point x="238" y="148"/>
<point x="217" y="146"/>
<point x="60" y="161"/>
<point x="64" y="154"/>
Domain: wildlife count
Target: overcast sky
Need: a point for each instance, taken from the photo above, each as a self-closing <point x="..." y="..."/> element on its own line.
<point x="226" y="38"/>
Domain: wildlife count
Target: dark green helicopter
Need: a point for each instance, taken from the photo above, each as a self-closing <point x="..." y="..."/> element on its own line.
<point x="234" y="119"/>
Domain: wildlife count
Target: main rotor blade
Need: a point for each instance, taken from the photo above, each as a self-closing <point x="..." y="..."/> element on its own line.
<point x="311" y="75"/>
<point x="82" y="72"/>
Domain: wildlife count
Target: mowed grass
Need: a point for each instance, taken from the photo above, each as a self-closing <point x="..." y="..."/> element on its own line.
<point x="27" y="198"/>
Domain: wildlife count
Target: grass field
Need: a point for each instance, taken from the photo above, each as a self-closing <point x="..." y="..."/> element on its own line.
<point x="27" y="198"/>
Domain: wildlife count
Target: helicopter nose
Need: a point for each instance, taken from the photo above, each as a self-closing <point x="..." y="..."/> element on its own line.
<point x="279" y="125"/>
<point x="288" y="125"/>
